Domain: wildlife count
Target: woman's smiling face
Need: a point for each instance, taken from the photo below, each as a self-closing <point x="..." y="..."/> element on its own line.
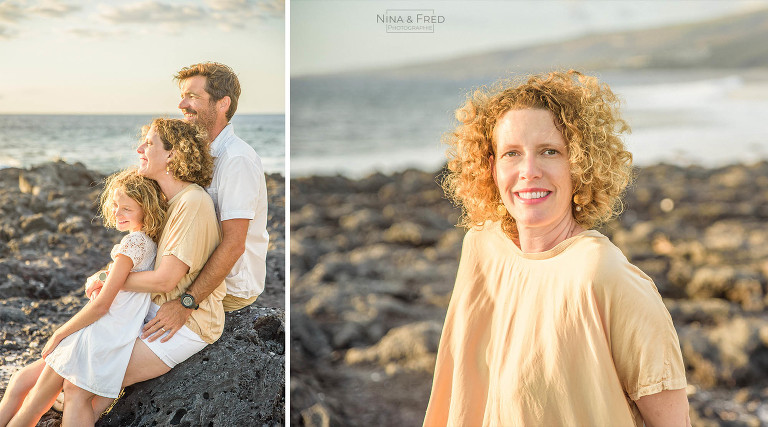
<point x="531" y="169"/>
<point x="153" y="157"/>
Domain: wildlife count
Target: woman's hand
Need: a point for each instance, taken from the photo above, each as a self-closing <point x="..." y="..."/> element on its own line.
<point x="52" y="343"/>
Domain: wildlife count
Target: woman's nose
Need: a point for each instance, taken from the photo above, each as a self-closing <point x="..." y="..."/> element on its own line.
<point x="530" y="168"/>
<point x="140" y="149"/>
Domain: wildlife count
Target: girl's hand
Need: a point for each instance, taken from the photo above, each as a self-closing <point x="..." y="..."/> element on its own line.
<point x="52" y="343"/>
<point x="95" y="283"/>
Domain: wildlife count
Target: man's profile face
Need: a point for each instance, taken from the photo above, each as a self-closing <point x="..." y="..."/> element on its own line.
<point x="196" y="104"/>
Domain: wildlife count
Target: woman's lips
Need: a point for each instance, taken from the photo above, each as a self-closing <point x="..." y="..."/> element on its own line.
<point x="533" y="196"/>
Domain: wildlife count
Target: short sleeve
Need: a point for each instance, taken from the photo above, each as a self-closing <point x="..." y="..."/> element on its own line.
<point x="134" y="246"/>
<point x="189" y="227"/>
<point x="644" y="343"/>
<point x="238" y="190"/>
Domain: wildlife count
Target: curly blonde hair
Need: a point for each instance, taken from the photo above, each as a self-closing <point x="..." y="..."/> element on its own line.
<point x="191" y="161"/>
<point x="144" y="191"/>
<point x="586" y="114"/>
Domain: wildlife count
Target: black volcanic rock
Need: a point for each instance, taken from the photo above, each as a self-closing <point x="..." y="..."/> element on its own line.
<point x="238" y="381"/>
<point x="373" y="263"/>
<point x="51" y="239"/>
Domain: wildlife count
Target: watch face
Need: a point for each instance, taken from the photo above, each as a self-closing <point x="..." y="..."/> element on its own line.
<point x="187" y="301"/>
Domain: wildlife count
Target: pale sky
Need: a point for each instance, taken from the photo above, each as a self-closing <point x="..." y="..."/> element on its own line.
<point x="80" y="56"/>
<point x="331" y="36"/>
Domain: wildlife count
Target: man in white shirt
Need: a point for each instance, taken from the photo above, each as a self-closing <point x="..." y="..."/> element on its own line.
<point x="209" y="96"/>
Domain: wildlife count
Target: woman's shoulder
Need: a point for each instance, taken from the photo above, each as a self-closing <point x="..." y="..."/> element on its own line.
<point x="606" y="263"/>
<point x="486" y="234"/>
<point x="488" y="229"/>
<point x="596" y="246"/>
<point x="192" y="192"/>
<point x="194" y="195"/>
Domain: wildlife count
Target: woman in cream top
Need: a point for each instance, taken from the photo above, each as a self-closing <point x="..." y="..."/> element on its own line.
<point x="549" y="324"/>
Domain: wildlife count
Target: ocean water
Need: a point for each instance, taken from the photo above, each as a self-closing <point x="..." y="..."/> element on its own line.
<point x="354" y="125"/>
<point x="108" y="142"/>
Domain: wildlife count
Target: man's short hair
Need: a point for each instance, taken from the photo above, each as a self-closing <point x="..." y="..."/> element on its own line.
<point x="220" y="81"/>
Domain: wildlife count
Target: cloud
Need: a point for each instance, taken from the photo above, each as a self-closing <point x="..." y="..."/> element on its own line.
<point x="17" y="12"/>
<point x="227" y="14"/>
<point x="90" y="33"/>
<point x="6" y="33"/>
<point x="153" y="12"/>
<point x="53" y="9"/>
<point x="248" y="8"/>
<point x="173" y="18"/>
<point x="235" y="14"/>
<point x="11" y="12"/>
<point x="261" y="8"/>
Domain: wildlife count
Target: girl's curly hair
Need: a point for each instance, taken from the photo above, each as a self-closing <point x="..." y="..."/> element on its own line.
<point x="191" y="161"/>
<point x="144" y="191"/>
<point x="586" y="114"/>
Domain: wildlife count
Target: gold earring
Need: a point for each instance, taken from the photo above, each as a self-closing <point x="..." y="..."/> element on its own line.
<point x="576" y="202"/>
<point x="501" y="209"/>
<point x="166" y="170"/>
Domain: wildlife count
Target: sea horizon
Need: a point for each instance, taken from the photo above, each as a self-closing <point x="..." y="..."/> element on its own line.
<point x="107" y="142"/>
<point x="358" y="125"/>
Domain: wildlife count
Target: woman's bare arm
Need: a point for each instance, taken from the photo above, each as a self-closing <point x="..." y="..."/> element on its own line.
<point x="168" y="274"/>
<point x="668" y="408"/>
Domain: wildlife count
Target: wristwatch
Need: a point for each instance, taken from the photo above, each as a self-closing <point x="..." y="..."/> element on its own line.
<point x="188" y="301"/>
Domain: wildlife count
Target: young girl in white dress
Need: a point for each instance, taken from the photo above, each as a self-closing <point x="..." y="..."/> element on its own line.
<point x="92" y="349"/>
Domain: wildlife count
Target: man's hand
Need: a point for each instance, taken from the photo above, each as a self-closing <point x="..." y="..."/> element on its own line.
<point x="94" y="283"/>
<point x="170" y="318"/>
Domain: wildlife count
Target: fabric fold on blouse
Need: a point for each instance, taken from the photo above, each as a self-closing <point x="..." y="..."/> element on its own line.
<point x="570" y="336"/>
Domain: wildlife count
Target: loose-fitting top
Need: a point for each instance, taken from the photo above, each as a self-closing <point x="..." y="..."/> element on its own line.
<point x="191" y="234"/>
<point x="570" y="336"/>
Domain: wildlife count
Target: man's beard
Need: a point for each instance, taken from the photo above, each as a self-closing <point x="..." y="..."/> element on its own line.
<point x="206" y="119"/>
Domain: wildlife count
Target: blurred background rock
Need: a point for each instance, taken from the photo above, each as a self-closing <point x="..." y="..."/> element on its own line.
<point x="374" y="254"/>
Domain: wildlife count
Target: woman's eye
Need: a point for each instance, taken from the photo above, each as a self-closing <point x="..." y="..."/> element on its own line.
<point x="550" y="151"/>
<point x="510" y="154"/>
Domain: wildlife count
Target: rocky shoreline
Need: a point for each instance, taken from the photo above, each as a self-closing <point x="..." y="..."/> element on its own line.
<point x="51" y="239"/>
<point x="373" y="263"/>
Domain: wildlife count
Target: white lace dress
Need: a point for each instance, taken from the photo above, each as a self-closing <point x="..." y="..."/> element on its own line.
<point x="95" y="358"/>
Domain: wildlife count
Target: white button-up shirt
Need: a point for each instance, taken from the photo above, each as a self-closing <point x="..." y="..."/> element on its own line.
<point x="239" y="190"/>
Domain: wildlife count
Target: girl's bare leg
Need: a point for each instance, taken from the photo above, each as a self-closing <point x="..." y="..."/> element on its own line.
<point x="18" y="388"/>
<point x="78" y="406"/>
<point x="39" y="399"/>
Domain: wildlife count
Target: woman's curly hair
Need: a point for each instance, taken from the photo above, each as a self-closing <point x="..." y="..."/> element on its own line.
<point x="586" y="114"/>
<point x="144" y="191"/>
<point x="191" y="160"/>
